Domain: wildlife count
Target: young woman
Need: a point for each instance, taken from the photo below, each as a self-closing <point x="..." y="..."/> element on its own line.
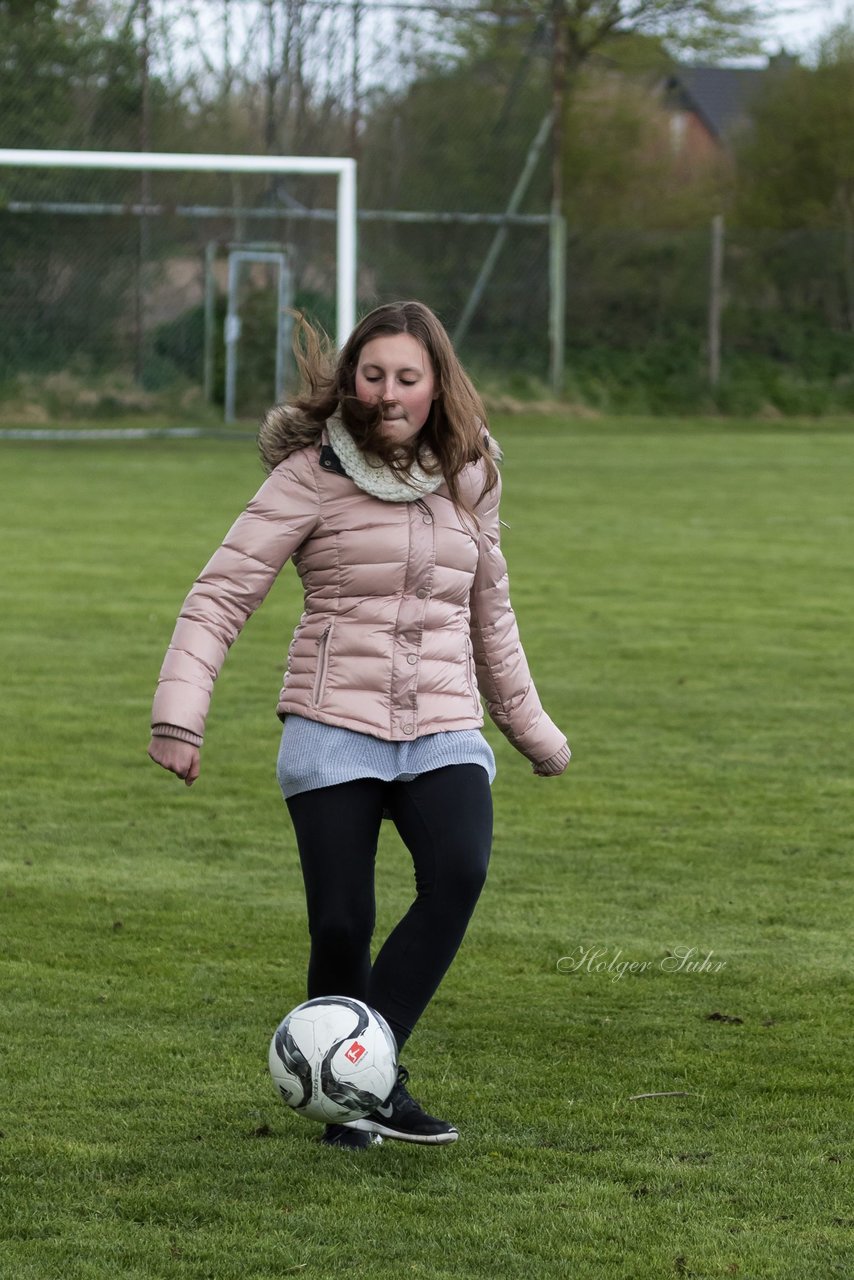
<point x="384" y="491"/>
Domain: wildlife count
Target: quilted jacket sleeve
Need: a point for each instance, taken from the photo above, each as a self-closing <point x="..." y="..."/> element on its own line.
<point x="229" y="589"/>
<point x="502" y="668"/>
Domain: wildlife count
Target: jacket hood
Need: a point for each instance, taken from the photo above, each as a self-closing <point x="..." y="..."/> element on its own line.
<point x="283" y="432"/>
<point x="495" y="450"/>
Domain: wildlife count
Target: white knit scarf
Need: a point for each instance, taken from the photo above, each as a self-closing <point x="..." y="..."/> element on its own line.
<point x="373" y="475"/>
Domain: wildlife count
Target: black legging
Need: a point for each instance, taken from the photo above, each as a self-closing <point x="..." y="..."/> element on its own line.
<point x="445" y="820"/>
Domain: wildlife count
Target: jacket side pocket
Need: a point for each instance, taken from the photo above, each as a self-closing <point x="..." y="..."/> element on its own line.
<point x="472" y="676"/>
<point x="322" y="665"/>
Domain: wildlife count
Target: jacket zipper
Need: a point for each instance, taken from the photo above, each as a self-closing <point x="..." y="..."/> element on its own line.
<point x="320" y="677"/>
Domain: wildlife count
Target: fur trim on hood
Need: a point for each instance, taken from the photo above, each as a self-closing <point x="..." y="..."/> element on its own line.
<point x="284" y="432"/>
<point x="495" y="450"/>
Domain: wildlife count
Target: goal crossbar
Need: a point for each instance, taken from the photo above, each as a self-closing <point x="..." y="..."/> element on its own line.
<point x="341" y="167"/>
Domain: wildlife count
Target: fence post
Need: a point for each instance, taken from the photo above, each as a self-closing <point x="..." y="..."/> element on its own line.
<point x="716" y="300"/>
<point x="557" y="223"/>
<point x="144" y="230"/>
<point x="557" y="301"/>
<point x="210" y="321"/>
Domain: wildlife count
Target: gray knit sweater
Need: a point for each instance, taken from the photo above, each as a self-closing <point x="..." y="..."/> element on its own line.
<point x="313" y="754"/>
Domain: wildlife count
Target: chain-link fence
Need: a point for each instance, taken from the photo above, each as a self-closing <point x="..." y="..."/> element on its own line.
<point x="105" y="312"/>
<point x="113" y="285"/>
<point x="640" y="306"/>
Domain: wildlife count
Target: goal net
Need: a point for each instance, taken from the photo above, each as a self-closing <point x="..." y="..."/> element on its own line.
<point x="139" y="283"/>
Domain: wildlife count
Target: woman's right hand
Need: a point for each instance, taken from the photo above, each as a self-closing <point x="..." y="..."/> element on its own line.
<point x="181" y="758"/>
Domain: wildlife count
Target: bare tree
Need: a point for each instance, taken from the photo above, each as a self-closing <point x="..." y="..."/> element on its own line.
<point x="713" y="27"/>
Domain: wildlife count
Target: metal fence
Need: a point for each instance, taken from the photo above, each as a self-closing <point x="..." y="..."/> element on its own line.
<point x="104" y="311"/>
<point x="106" y="304"/>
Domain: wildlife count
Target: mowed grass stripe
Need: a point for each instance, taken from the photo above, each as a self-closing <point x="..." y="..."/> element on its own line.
<point x="685" y="599"/>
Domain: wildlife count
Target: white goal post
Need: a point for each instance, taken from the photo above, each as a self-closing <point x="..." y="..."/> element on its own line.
<point x="342" y="168"/>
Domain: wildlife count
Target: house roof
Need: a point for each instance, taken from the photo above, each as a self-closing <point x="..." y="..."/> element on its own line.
<point x="721" y="96"/>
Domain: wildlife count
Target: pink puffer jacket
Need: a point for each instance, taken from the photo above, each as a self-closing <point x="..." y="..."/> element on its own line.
<point x="407" y="613"/>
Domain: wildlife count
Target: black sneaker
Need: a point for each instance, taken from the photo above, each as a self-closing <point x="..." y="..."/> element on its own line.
<point x="401" y="1117"/>
<point x="338" y="1135"/>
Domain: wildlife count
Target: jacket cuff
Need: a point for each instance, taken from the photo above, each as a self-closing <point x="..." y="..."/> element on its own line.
<point x="175" y="731"/>
<point x="556" y="763"/>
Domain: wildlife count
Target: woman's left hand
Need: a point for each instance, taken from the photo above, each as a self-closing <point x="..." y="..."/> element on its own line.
<point x="555" y="765"/>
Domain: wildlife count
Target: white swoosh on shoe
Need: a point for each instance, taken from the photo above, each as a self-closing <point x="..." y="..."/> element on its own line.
<point x="386" y="1111"/>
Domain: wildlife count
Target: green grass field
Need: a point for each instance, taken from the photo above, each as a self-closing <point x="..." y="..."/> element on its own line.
<point x="686" y="601"/>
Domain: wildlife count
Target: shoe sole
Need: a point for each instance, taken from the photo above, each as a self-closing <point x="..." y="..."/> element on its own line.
<point x="383" y="1131"/>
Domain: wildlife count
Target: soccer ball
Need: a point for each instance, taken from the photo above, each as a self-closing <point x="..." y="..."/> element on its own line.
<point x="333" y="1059"/>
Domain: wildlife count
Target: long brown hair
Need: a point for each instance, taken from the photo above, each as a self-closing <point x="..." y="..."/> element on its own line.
<point x="453" y="432"/>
